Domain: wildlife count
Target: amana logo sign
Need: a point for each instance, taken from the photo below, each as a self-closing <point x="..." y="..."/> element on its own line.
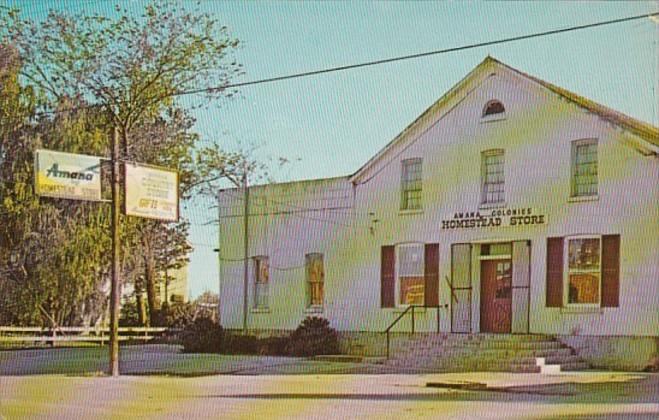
<point x="55" y="172"/>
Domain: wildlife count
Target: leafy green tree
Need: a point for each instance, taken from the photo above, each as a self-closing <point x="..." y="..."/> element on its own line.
<point x="128" y="71"/>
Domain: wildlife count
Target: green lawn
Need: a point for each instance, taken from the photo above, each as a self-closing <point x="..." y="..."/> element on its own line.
<point x="160" y="359"/>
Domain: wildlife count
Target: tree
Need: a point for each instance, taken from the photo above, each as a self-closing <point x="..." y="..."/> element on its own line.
<point x="131" y="70"/>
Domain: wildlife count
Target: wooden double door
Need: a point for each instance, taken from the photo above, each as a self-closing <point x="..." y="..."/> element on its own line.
<point x="496" y="295"/>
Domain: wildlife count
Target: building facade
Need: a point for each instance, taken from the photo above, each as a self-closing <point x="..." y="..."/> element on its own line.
<point x="509" y="206"/>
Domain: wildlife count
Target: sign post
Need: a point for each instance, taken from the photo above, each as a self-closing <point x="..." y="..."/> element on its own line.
<point x="151" y="192"/>
<point x="115" y="286"/>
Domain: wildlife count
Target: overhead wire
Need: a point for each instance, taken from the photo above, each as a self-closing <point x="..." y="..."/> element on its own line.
<point x="388" y="60"/>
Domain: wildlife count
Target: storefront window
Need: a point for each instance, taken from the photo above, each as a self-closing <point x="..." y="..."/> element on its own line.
<point x="584" y="272"/>
<point x="411" y="281"/>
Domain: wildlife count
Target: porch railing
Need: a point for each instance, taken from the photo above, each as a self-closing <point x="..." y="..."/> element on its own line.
<point x="409" y="309"/>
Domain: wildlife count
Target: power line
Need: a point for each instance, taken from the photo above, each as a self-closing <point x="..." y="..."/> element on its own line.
<point x="295" y="214"/>
<point x="390" y="60"/>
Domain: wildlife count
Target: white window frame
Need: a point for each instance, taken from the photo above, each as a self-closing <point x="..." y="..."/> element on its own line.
<point x="307" y="282"/>
<point x="566" y="273"/>
<point x="397" y="282"/>
<point x="573" y="168"/>
<point x="484" y="203"/>
<point x="256" y="261"/>
<point x="404" y="204"/>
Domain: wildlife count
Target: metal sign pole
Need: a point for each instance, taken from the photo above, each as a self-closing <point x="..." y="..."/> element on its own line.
<point x="114" y="290"/>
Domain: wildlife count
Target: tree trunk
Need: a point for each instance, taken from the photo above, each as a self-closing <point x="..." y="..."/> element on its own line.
<point x="150" y="279"/>
<point x="141" y="304"/>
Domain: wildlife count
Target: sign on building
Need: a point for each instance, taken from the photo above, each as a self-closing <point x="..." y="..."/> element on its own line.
<point x="67" y="175"/>
<point x="501" y="217"/>
<point x="151" y="192"/>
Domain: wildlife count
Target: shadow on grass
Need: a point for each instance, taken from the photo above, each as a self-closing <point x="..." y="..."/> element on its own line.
<point x="645" y="391"/>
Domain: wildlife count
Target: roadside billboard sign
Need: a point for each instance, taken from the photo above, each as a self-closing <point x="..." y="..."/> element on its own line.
<point x="151" y="192"/>
<point x="67" y="175"/>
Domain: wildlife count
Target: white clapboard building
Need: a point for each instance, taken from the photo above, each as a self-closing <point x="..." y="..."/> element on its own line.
<point x="510" y="206"/>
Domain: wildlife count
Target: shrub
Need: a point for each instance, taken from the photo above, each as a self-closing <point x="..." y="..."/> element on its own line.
<point x="313" y="337"/>
<point x="202" y="336"/>
<point x="274" y="346"/>
<point x="177" y="315"/>
<point x="239" y="344"/>
<point x="128" y="316"/>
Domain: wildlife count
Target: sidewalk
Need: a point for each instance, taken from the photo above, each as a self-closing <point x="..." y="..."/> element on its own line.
<point x="503" y="380"/>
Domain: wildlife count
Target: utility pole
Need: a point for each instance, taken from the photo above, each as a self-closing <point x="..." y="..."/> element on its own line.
<point x="114" y="290"/>
<point x="246" y="250"/>
<point x="166" y="264"/>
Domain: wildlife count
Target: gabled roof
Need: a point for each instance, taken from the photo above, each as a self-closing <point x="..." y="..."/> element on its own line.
<point x="648" y="133"/>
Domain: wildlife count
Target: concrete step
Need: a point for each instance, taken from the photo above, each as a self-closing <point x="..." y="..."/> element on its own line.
<point x="487" y="352"/>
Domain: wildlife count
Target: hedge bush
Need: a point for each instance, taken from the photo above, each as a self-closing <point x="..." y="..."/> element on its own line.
<point x="202" y="336"/>
<point x="177" y="315"/>
<point x="313" y="337"/>
<point x="239" y="344"/>
<point x="274" y="346"/>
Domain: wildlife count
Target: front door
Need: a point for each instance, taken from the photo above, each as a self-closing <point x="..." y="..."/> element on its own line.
<point x="496" y="296"/>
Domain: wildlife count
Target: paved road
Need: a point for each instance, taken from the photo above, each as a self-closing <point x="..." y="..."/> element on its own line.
<point x="68" y="383"/>
<point x="318" y="396"/>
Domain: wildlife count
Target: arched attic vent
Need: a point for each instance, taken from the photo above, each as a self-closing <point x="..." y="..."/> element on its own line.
<point x="493" y="107"/>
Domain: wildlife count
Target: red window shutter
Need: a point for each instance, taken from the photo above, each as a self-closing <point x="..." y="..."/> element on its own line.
<point x="610" y="270"/>
<point x="388" y="282"/>
<point x="554" y="298"/>
<point x="431" y="268"/>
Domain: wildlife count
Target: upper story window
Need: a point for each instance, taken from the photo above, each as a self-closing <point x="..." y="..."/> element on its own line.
<point x="493" y="110"/>
<point x="261" y="282"/>
<point x="584" y="168"/>
<point x="315" y="274"/>
<point x="411" y="184"/>
<point x="410" y="280"/>
<point x="493" y="180"/>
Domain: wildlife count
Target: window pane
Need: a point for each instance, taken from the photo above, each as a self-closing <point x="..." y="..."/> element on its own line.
<point x="316" y="293"/>
<point x="315" y="278"/>
<point x="493" y="177"/>
<point x="261" y="279"/>
<point x="583" y="288"/>
<point x="584" y="172"/>
<point x="410" y="260"/>
<point x="262" y="270"/>
<point x="584" y="254"/>
<point x="261" y="300"/>
<point x="411" y="184"/>
<point x="411" y="290"/>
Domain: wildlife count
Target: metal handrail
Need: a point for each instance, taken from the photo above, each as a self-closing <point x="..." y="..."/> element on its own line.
<point x="408" y="309"/>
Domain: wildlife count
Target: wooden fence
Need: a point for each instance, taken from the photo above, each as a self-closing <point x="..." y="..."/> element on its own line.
<point x="81" y="334"/>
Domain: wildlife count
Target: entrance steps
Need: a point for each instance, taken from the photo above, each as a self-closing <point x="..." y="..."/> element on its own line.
<point x="442" y="352"/>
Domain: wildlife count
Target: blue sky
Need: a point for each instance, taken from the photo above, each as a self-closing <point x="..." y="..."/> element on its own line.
<point x="335" y="122"/>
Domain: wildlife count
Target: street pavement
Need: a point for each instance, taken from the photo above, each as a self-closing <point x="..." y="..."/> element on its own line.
<point x="65" y="384"/>
<point x="584" y="395"/>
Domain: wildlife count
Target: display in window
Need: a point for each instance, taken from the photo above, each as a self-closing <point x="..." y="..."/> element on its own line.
<point x="583" y="288"/>
<point x="411" y="290"/>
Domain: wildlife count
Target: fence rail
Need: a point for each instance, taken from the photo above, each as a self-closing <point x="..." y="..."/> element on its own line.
<point x="78" y="334"/>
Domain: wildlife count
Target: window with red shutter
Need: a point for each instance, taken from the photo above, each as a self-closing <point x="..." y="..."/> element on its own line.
<point x="387" y="279"/>
<point x="554" y="297"/>
<point x="610" y="271"/>
<point x="432" y="275"/>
